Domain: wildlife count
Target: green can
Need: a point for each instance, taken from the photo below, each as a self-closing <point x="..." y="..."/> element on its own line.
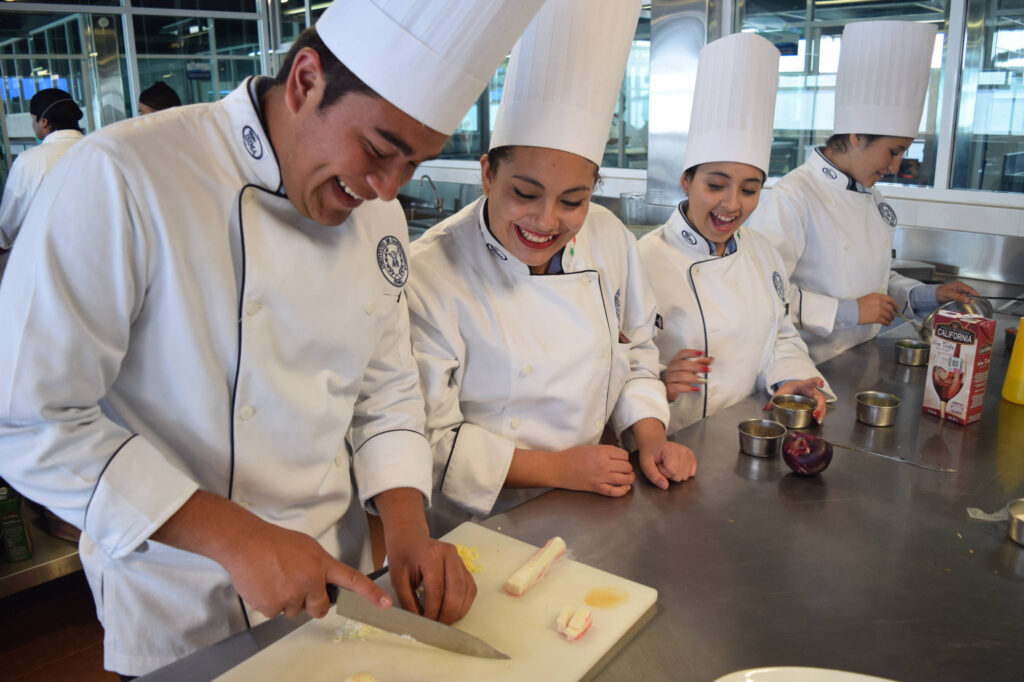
<point x="17" y="541"/>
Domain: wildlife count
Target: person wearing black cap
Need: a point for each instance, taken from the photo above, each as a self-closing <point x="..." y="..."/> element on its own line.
<point x="55" y="119"/>
<point x="158" y="97"/>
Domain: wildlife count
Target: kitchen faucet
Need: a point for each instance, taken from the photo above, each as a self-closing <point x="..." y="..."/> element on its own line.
<point x="438" y="201"/>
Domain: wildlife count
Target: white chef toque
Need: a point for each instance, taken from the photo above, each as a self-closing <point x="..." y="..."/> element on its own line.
<point x="564" y="77"/>
<point x="430" y="58"/>
<point x="734" y="102"/>
<point x="883" y="77"/>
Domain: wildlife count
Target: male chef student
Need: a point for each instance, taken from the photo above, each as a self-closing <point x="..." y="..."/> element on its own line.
<point x="204" y="326"/>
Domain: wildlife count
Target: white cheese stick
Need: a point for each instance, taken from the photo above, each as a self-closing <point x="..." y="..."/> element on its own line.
<point x="530" y="573"/>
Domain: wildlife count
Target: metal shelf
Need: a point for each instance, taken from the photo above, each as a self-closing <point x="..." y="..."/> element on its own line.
<point x="52" y="558"/>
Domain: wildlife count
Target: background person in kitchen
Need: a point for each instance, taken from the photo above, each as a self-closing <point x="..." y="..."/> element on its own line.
<point x="182" y="379"/>
<point x="157" y="97"/>
<point x="55" y="118"/>
<point x="532" y="321"/>
<point x="832" y="227"/>
<point x="721" y="289"/>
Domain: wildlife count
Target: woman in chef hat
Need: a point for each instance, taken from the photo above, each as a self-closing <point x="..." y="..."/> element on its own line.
<point x="833" y="228"/>
<point x="532" y="322"/>
<point x="724" y="328"/>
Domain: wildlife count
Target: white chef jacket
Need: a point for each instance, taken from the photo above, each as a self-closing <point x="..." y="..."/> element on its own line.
<point x="733" y="307"/>
<point x="26" y="174"/>
<point x="171" y="322"/>
<point x="836" y="239"/>
<point x="512" y="360"/>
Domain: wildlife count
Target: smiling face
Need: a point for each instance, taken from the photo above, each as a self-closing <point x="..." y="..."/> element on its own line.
<point x="868" y="161"/>
<point x="361" y="147"/>
<point x="722" y="196"/>
<point x="538" y="199"/>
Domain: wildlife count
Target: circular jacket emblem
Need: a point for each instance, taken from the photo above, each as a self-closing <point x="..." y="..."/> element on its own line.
<point x="392" y="261"/>
<point x="493" y="249"/>
<point x="829" y="173"/>
<point x="691" y="240"/>
<point x="888" y="215"/>
<point x="777" y="281"/>
<point x="253" y="143"/>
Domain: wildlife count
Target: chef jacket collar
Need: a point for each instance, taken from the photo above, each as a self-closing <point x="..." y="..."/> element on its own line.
<point x="835" y="177"/>
<point x="249" y="133"/>
<point x="689" y="237"/>
<point x="58" y="135"/>
<point x="501" y="254"/>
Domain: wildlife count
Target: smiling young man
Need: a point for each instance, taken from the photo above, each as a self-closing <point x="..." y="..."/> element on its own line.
<point x="207" y="342"/>
<point x="833" y="228"/>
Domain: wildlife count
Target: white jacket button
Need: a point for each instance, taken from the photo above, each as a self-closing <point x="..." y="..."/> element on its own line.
<point x="599" y="423"/>
<point x="370" y="307"/>
<point x="527" y="370"/>
<point x="247" y="412"/>
<point x="253" y="308"/>
<point x="340" y="460"/>
<point x="516" y="422"/>
<point x="606" y="355"/>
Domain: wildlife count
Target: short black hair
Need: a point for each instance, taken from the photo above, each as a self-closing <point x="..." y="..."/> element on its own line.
<point x="504" y="153"/>
<point x="340" y="81"/>
<point x="57" y="107"/>
<point x="840" y="143"/>
<point x="690" y="172"/>
<point x="160" y="96"/>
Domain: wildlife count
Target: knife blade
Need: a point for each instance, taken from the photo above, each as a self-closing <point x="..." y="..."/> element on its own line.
<point x="398" y="621"/>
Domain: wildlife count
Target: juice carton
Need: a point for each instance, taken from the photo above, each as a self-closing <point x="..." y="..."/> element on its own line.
<point x="958" y="366"/>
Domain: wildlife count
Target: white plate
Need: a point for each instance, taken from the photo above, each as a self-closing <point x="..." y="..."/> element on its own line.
<point x="789" y="674"/>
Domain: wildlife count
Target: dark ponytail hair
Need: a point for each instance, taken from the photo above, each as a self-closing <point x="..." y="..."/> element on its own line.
<point x="57" y="107"/>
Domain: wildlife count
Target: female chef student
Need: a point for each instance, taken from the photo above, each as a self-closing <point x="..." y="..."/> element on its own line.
<point x="532" y="323"/>
<point x="833" y="228"/>
<point x="55" y="119"/>
<point x="720" y="287"/>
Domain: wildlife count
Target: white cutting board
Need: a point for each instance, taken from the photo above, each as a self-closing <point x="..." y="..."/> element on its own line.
<point x="523" y="627"/>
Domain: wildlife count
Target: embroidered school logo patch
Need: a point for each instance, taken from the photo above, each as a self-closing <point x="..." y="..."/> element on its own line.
<point x="691" y="240"/>
<point x="618" y="304"/>
<point x="888" y="215"/>
<point x="829" y="173"/>
<point x="392" y="261"/>
<point x="253" y="143"/>
<point x="493" y="249"/>
<point x="777" y="281"/>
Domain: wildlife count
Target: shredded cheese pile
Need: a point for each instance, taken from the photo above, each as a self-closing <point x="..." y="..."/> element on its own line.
<point x="353" y="629"/>
<point x="470" y="557"/>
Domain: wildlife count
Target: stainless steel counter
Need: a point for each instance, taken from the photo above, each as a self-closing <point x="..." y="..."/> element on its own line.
<point x="874" y="566"/>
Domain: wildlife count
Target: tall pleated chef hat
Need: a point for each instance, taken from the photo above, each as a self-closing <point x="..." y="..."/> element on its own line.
<point x="883" y="77"/>
<point x="734" y="102"/>
<point x="564" y="77"/>
<point x="430" y="58"/>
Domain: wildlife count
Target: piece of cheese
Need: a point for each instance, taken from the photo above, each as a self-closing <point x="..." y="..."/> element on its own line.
<point x="572" y="623"/>
<point x="530" y="573"/>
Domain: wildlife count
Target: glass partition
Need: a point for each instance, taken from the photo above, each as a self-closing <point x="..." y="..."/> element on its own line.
<point x="988" y="152"/>
<point x="808" y="35"/>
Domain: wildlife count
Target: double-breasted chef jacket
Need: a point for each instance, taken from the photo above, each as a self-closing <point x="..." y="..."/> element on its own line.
<point x="734" y="308"/>
<point x="27" y="172"/>
<point x="512" y="360"/>
<point x="171" y="322"/>
<point x="835" y="238"/>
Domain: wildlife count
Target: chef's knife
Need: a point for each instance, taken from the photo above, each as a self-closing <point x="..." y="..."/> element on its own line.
<point x="401" y="622"/>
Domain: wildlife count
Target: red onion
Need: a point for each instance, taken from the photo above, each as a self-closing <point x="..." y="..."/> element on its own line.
<point x="806" y="454"/>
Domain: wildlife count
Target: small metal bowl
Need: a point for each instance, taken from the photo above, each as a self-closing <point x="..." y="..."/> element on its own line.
<point x="761" y="437"/>
<point x="913" y="353"/>
<point x="1016" y="510"/>
<point x="786" y="412"/>
<point x="875" y="408"/>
